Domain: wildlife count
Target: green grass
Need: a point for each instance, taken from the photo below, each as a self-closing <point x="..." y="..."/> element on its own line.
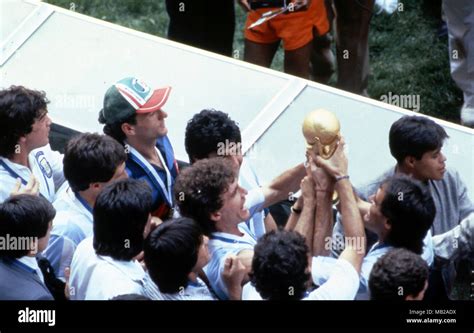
<point x="144" y="15"/>
<point x="406" y="56"/>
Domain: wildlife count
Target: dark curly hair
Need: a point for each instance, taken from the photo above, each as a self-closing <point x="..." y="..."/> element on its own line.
<point x="115" y="130"/>
<point x="19" y="109"/>
<point x="410" y="210"/>
<point x="397" y="274"/>
<point x="199" y="188"/>
<point x="171" y="252"/>
<point x="280" y="266"/>
<point x="206" y="130"/>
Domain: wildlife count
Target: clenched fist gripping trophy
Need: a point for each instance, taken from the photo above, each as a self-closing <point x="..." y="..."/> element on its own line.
<point x="321" y="130"/>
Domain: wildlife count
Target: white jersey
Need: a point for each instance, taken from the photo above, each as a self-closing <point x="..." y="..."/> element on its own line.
<point x="96" y="277"/>
<point x="194" y="291"/>
<point x="73" y="223"/>
<point x="45" y="164"/>
<point x="222" y="244"/>
<point x="377" y="251"/>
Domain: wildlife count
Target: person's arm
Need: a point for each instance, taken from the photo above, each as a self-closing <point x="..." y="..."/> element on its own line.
<point x="305" y="223"/>
<point x="233" y="275"/>
<point x="352" y="224"/>
<point x="246" y="257"/>
<point x="337" y="166"/>
<point x="270" y="223"/>
<point x="31" y="188"/>
<point x="284" y="185"/>
<point x="362" y="205"/>
<point x="324" y="218"/>
<point x="296" y="210"/>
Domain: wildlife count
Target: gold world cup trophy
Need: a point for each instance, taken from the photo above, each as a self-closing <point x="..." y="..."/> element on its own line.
<point x="322" y="132"/>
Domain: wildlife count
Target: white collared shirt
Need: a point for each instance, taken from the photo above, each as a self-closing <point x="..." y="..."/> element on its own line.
<point x="222" y="244"/>
<point x="195" y="291"/>
<point x="378" y="251"/>
<point x="96" y="277"/>
<point x="45" y="164"/>
<point x="73" y="223"/>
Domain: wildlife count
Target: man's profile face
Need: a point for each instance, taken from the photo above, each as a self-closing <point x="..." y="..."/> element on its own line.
<point x="374" y="218"/>
<point x="233" y="209"/>
<point x="39" y="135"/>
<point x="431" y="166"/>
<point x="151" y="125"/>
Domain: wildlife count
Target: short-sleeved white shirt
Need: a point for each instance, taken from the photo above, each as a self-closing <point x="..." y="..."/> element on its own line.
<point x="73" y="223"/>
<point x="195" y="291"/>
<point x="96" y="277"/>
<point x="378" y="251"/>
<point x="45" y="164"/>
<point x="223" y="244"/>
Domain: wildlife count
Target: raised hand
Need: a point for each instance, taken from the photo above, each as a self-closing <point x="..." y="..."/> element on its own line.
<point x="233" y="275"/>
<point x="337" y="165"/>
<point x="32" y="187"/>
<point x="322" y="180"/>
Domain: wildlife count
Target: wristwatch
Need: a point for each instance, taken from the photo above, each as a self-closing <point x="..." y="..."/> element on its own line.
<point x="295" y="210"/>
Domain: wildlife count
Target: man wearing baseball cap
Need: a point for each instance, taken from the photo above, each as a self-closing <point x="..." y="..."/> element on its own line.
<point x="133" y="114"/>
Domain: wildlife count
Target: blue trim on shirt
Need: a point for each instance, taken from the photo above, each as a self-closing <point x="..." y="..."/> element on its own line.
<point x="231" y="241"/>
<point x="136" y="170"/>
<point x="16" y="176"/>
<point x="12" y="172"/>
<point x="379" y="246"/>
<point x="83" y="202"/>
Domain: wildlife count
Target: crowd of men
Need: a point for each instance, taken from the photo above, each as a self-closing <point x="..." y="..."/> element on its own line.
<point x="114" y="217"/>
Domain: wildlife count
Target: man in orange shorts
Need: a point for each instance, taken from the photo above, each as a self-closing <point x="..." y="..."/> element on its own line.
<point x="296" y="29"/>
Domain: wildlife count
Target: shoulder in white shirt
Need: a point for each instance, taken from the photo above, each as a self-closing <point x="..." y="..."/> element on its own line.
<point x="72" y="224"/>
<point x="221" y="245"/>
<point x="95" y="277"/>
<point x="195" y="291"/>
<point x="45" y="164"/>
